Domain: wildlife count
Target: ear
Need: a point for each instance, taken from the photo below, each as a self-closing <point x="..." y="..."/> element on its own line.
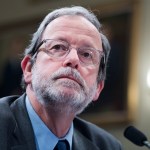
<point x="26" y="68"/>
<point x="100" y="87"/>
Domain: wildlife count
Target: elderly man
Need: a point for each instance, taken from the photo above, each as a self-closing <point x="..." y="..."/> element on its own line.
<point x="64" y="69"/>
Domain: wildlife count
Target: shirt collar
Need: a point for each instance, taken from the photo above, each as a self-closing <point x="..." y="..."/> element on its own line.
<point x="44" y="138"/>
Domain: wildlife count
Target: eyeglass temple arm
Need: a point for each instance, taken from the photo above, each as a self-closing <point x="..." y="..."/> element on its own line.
<point x="38" y="46"/>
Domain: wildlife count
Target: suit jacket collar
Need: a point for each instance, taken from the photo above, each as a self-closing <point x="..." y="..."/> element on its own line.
<point x="81" y="142"/>
<point x="23" y="132"/>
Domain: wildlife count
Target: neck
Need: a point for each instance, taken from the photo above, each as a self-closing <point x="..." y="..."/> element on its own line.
<point x="58" y="122"/>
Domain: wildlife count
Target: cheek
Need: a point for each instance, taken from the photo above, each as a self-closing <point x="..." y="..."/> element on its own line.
<point x="91" y="77"/>
<point x="92" y="80"/>
<point x="47" y="66"/>
<point x="47" y="70"/>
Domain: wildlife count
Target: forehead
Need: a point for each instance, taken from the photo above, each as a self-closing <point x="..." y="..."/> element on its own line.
<point x="72" y="27"/>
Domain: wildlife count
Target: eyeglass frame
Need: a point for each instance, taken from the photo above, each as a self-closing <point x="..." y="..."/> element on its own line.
<point x="37" y="50"/>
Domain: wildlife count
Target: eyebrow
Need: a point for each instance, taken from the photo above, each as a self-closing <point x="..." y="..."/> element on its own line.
<point x="86" y="44"/>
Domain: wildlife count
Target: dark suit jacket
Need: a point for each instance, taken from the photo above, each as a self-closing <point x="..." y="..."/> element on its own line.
<point x="16" y="131"/>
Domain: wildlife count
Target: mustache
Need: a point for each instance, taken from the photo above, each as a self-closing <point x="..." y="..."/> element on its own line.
<point x="69" y="72"/>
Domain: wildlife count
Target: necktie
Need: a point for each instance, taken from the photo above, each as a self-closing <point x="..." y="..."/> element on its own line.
<point x="62" y="145"/>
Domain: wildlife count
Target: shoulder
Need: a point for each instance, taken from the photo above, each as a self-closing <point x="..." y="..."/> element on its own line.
<point x="5" y="104"/>
<point x="7" y="121"/>
<point x="6" y="114"/>
<point x="96" y="134"/>
<point x="8" y="99"/>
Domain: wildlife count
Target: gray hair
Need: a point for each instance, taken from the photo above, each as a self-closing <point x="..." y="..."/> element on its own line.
<point x="74" y="10"/>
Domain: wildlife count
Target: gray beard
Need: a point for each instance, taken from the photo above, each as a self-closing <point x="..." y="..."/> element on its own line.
<point x="51" y="92"/>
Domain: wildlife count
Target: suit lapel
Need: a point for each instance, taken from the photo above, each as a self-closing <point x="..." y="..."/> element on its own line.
<point x="81" y="142"/>
<point x="19" y="147"/>
<point x="24" y="132"/>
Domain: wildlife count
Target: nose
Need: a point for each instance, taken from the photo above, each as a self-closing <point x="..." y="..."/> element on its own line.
<point x="72" y="59"/>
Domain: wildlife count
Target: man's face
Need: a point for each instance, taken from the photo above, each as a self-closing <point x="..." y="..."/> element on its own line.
<point x="67" y="84"/>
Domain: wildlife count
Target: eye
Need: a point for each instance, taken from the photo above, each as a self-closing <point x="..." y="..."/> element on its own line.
<point x="86" y="54"/>
<point x="59" y="47"/>
<point x="56" y="48"/>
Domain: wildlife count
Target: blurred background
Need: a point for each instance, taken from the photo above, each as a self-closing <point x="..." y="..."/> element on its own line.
<point x="126" y="97"/>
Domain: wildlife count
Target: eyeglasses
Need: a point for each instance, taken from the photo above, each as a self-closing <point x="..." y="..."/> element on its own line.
<point x="60" y="49"/>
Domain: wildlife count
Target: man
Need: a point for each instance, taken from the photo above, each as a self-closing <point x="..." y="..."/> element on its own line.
<point x="64" y="70"/>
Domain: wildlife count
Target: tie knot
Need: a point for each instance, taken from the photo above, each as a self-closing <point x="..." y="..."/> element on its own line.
<point x="62" y="145"/>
